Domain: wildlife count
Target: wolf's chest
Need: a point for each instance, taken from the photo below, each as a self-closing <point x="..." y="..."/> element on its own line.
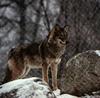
<point x="53" y="60"/>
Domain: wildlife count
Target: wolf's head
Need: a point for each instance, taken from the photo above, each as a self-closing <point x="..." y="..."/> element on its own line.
<point x="58" y="36"/>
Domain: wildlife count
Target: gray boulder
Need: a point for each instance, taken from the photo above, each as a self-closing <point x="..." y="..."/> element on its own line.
<point x="82" y="74"/>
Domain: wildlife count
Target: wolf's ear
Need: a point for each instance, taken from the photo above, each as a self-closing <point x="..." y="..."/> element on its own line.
<point x="57" y="27"/>
<point x="51" y="33"/>
<point x="66" y="28"/>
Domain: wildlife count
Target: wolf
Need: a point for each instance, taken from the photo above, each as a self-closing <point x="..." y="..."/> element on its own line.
<point x="43" y="55"/>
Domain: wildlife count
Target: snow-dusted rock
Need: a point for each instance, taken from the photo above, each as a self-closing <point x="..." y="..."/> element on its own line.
<point x="82" y="74"/>
<point x="26" y="88"/>
<point x="57" y="94"/>
<point x="66" y="96"/>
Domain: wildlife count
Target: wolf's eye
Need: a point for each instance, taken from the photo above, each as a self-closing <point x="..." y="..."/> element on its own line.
<point x="61" y="38"/>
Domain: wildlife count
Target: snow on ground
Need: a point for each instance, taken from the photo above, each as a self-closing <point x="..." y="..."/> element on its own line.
<point x="57" y="93"/>
<point x="66" y="96"/>
<point x="97" y="52"/>
<point x="31" y="88"/>
<point x="27" y="88"/>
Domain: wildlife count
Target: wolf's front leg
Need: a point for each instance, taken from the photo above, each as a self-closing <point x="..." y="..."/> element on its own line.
<point x="45" y="72"/>
<point x="54" y="69"/>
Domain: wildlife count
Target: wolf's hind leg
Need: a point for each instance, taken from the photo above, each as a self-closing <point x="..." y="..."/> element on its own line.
<point x="25" y="72"/>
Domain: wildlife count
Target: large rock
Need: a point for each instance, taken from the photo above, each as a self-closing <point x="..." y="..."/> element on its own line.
<point x="82" y="74"/>
<point x="26" y="88"/>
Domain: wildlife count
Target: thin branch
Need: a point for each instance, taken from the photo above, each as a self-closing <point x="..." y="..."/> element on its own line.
<point x="7" y="20"/>
<point x="2" y="25"/>
<point x="10" y="29"/>
<point x="29" y="3"/>
<point x="5" y="5"/>
<point x="47" y="24"/>
<point x="16" y="1"/>
<point x="32" y="22"/>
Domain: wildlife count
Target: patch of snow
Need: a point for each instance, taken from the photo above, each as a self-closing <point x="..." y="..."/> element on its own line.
<point x="57" y="92"/>
<point x="97" y="52"/>
<point x="66" y="96"/>
<point x="32" y="88"/>
<point x="26" y="88"/>
<point x="12" y="35"/>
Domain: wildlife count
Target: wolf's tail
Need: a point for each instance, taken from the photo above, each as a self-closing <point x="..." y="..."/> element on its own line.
<point x="8" y="73"/>
<point x="7" y="76"/>
<point x="11" y="53"/>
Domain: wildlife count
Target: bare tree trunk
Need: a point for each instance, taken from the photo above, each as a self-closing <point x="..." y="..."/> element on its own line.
<point x="22" y="9"/>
